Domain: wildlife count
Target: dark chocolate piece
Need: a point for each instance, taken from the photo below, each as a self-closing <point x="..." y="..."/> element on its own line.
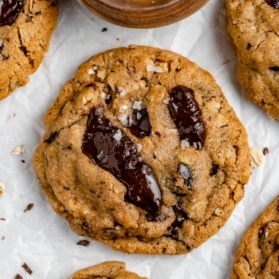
<point x="27" y="268"/>
<point x="273" y="3"/>
<point x="52" y="137"/>
<point x="83" y="242"/>
<point x="214" y="169"/>
<point x="109" y="148"/>
<point x="29" y="207"/>
<point x="186" y="114"/>
<point x="9" y="11"/>
<point x="139" y="123"/>
<point x="181" y="216"/>
<point x="275" y="68"/>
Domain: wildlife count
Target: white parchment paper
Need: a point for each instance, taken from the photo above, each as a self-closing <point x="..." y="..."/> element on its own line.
<point x="42" y="239"/>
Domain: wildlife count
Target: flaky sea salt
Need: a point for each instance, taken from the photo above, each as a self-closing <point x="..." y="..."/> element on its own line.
<point x="166" y="101"/>
<point x="118" y="135"/>
<point x="123" y="119"/>
<point x="90" y="71"/>
<point x="184" y="143"/>
<point x="137" y="105"/>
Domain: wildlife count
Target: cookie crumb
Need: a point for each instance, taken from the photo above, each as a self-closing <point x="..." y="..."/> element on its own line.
<point x="19" y="150"/>
<point x="2" y="189"/>
<point x="265" y="151"/>
<point x="27" y="268"/>
<point x="257" y="157"/>
<point x="83" y="242"/>
<point x="29" y="207"/>
<point x="2" y="219"/>
<point x="18" y="276"/>
<point x="3" y="238"/>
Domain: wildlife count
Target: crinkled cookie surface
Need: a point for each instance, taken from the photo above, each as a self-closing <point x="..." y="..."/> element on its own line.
<point x="258" y="253"/>
<point x="25" y="30"/>
<point x="253" y="26"/>
<point x="106" y="270"/>
<point x="142" y="152"/>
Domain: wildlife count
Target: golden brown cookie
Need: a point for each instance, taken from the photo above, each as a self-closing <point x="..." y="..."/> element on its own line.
<point x="253" y="26"/>
<point x="257" y="256"/>
<point x="25" y="30"/>
<point x="143" y="153"/>
<point x="106" y="270"/>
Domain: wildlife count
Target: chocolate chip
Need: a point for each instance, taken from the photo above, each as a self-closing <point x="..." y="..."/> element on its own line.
<point x="109" y="148"/>
<point x="139" y="124"/>
<point x="275" y="68"/>
<point x="29" y="207"/>
<point x="186" y="114"/>
<point x="180" y="217"/>
<point x="273" y="3"/>
<point x="52" y="136"/>
<point x="9" y="11"/>
<point x="83" y="242"/>
<point x="214" y="169"/>
<point x="184" y="171"/>
<point x="265" y="151"/>
<point x="27" y="268"/>
<point x="18" y="276"/>
<point x="249" y="46"/>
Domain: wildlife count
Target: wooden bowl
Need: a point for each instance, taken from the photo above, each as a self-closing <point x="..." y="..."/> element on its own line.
<point x="143" y="13"/>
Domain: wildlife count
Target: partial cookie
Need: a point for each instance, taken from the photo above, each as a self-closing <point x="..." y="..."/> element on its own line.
<point x="25" y="30"/>
<point x="106" y="270"/>
<point x="257" y="256"/>
<point x="143" y="153"/>
<point x="253" y="26"/>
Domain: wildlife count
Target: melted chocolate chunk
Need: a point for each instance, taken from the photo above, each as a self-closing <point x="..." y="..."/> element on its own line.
<point x="109" y="148"/>
<point x="273" y="3"/>
<point x="186" y="175"/>
<point x="139" y="124"/>
<point x="186" y="114"/>
<point x="275" y="68"/>
<point x="9" y="11"/>
<point x="181" y="216"/>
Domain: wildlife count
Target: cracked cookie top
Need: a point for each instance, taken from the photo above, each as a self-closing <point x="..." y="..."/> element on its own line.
<point x="258" y="252"/>
<point x="142" y="152"/>
<point x="25" y="30"/>
<point x="253" y="26"/>
<point x="106" y="270"/>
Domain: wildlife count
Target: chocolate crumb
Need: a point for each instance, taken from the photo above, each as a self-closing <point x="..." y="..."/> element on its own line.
<point x="104" y="29"/>
<point x="83" y="242"/>
<point x="2" y="219"/>
<point x="18" y="276"/>
<point x="265" y="151"/>
<point x="23" y="161"/>
<point x="29" y="207"/>
<point x="27" y="268"/>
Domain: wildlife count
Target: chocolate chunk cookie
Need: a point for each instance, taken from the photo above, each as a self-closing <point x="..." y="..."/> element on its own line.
<point x="142" y="152"/>
<point x="25" y="30"/>
<point x="253" y="26"/>
<point x="258" y="253"/>
<point x="106" y="270"/>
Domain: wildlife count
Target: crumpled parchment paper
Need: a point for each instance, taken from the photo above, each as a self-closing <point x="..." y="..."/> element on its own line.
<point x="42" y="239"/>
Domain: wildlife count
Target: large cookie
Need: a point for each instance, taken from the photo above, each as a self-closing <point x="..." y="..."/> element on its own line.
<point x="25" y="30"/>
<point x="257" y="256"/>
<point x="253" y="26"/>
<point x="142" y="152"/>
<point x="106" y="270"/>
